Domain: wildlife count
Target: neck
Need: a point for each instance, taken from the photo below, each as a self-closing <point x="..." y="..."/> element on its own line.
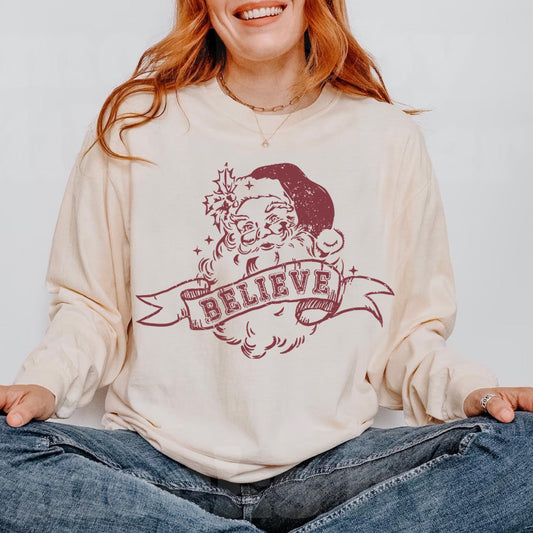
<point x="268" y="83"/>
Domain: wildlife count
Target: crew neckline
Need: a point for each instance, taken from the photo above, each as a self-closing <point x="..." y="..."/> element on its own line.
<point x="223" y="103"/>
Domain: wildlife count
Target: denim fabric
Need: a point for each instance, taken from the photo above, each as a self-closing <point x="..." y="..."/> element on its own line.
<point x="474" y="474"/>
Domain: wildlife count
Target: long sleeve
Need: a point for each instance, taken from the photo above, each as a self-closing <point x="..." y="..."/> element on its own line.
<point x="84" y="346"/>
<point x="418" y="371"/>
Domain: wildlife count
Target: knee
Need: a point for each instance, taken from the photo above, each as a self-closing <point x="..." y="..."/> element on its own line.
<point x="511" y="441"/>
<point x="522" y="424"/>
<point x="19" y="437"/>
<point x="5" y="429"/>
<point x="505" y="450"/>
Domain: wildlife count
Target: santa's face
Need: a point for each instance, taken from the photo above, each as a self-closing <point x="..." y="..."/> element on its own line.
<point x="261" y="233"/>
<point x="264" y="223"/>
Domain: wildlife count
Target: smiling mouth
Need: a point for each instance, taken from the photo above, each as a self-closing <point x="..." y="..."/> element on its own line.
<point x="262" y="12"/>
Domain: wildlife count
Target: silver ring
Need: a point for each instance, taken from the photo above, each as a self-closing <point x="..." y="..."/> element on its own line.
<point x="485" y="400"/>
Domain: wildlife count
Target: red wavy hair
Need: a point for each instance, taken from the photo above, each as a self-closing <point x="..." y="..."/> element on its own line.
<point x="193" y="53"/>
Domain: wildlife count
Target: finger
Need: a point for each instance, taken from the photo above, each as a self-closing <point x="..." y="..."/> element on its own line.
<point x="23" y="411"/>
<point x="525" y="398"/>
<point x="3" y="396"/>
<point x="500" y="409"/>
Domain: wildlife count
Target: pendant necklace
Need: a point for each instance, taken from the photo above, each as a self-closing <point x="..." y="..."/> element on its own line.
<point x="266" y="141"/>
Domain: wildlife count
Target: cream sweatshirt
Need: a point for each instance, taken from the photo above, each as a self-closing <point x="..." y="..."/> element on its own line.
<point x="249" y="306"/>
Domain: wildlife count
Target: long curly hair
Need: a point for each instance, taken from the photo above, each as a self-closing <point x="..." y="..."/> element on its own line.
<point x="193" y="53"/>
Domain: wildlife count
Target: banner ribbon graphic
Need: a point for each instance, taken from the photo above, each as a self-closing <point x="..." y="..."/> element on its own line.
<point x="319" y="289"/>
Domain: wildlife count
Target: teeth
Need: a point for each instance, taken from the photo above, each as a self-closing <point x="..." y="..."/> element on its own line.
<point x="262" y="12"/>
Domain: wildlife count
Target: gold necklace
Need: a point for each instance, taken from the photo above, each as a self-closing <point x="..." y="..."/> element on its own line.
<point x="228" y="91"/>
<point x="266" y="142"/>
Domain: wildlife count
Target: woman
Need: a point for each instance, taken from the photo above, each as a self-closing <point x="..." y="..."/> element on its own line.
<point x="252" y="253"/>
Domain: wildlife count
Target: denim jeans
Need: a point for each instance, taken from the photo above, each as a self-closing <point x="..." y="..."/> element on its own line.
<point x="474" y="474"/>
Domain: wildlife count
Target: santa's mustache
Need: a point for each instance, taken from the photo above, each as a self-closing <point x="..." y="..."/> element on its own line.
<point x="269" y="254"/>
<point x="297" y="246"/>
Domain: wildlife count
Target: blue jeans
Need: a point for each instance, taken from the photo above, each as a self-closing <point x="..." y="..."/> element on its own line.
<point x="474" y="474"/>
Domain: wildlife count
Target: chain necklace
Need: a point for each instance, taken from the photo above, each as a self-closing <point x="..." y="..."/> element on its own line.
<point x="266" y="141"/>
<point x="254" y="107"/>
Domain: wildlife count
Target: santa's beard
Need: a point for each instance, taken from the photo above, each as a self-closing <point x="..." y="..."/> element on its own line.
<point x="270" y="328"/>
<point x="274" y="326"/>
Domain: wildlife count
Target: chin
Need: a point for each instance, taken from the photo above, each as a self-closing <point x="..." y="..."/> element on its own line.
<point x="264" y="49"/>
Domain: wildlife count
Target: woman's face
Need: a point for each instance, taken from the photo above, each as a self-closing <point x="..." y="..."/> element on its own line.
<point x="259" y="30"/>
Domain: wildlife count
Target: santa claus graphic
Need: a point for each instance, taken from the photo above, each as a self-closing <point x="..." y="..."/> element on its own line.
<point x="275" y="272"/>
<point x="274" y="215"/>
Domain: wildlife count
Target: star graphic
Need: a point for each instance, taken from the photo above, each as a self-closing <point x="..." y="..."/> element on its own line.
<point x="353" y="271"/>
<point x="249" y="185"/>
<point x="197" y="250"/>
<point x="209" y="240"/>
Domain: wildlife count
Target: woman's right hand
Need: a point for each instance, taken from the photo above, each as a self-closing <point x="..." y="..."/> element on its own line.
<point x="22" y="403"/>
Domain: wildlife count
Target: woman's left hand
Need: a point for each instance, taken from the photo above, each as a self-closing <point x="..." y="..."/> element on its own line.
<point x="503" y="406"/>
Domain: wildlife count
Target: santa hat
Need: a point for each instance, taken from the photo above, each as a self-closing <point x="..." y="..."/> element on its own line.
<point x="312" y="202"/>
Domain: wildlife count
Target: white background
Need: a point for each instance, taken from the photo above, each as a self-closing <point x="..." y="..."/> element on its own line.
<point x="467" y="61"/>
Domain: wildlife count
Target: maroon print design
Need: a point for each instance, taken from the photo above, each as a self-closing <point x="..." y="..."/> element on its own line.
<point x="275" y="273"/>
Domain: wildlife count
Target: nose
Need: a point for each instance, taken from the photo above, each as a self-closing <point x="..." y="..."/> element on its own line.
<point x="263" y="232"/>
